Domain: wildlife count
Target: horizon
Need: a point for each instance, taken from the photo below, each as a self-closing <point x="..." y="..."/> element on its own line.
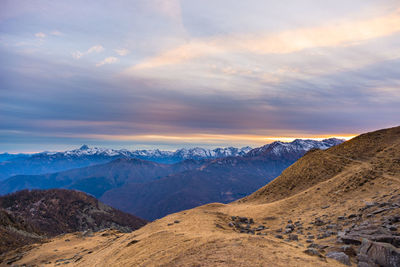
<point x="149" y="74"/>
<point x="173" y="148"/>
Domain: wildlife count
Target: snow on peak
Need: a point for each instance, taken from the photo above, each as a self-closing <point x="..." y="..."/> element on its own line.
<point x="278" y="148"/>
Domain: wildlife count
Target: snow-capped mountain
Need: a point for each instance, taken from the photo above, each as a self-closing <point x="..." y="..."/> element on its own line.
<point x="153" y="155"/>
<point x="47" y="162"/>
<point x="298" y="146"/>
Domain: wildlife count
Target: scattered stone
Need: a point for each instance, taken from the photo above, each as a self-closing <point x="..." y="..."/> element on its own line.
<point x="325" y="207"/>
<point x="312" y="252"/>
<point x="341" y="218"/>
<point x="279" y="236"/>
<point x="309" y="241"/>
<point x="319" y="222"/>
<point x="231" y="224"/>
<point x="340" y="257"/>
<point x="260" y="228"/>
<point x="177" y="221"/>
<point x="293" y="237"/>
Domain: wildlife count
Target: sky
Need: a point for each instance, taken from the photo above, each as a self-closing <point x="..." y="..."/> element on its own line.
<point x="214" y="73"/>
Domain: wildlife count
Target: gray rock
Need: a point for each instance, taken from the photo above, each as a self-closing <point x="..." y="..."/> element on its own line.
<point x="312" y="252"/>
<point x="279" y="236"/>
<point x="293" y="237"/>
<point x="340" y="257"/>
<point x="382" y="254"/>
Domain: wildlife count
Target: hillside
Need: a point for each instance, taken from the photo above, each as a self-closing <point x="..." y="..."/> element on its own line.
<point x="31" y="216"/>
<point x="333" y="207"/>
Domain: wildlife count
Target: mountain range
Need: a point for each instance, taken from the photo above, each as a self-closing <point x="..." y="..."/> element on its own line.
<point x="48" y="162"/>
<point x="152" y="190"/>
<point x="333" y="207"/>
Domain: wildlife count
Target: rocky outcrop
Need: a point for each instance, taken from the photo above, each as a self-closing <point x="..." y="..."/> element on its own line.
<point x="378" y="254"/>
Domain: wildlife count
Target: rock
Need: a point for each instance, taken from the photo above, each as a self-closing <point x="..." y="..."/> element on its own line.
<point x="289" y="221"/>
<point x="278" y="230"/>
<point x="348" y="250"/>
<point x="331" y="226"/>
<point x="310" y="237"/>
<point x="279" y="236"/>
<point x="291" y="226"/>
<point x="319" y="222"/>
<point x="341" y="218"/>
<point x="288" y="231"/>
<point x="231" y="224"/>
<point x="177" y="221"/>
<point x="260" y="228"/>
<point x="340" y="257"/>
<point x="309" y="241"/>
<point x="382" y="254"/>
<point x="351" y="216"/>
<point x="325" y="207"/>
<point x="380" y="211"/>
<point x="312" y="252"/>
<point x="293" y="237"/>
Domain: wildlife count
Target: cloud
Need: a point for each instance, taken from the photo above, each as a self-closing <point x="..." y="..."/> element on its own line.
<point x="348" y="33"/>
<point x="77" y="54"/>
<point x="40" y="35"/>
<point x="94" y="49"/>
<point x="56" y="33"/>
<point x="122" y="51"/>
<point x="108" y="60"/>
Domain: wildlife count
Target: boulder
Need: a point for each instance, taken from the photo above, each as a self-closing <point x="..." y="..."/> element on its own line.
<point x="340" y="257"/>
<point x="377" y="253"/>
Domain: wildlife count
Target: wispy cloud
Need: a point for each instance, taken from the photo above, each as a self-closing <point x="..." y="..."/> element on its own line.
<point x="346" y="33"/>
<point x="93" y="49"/>
<point x="56" y="33"/>
<point x="122" y="51"/>
<point x="40" y="35"/>
<point x="108" y="60"/>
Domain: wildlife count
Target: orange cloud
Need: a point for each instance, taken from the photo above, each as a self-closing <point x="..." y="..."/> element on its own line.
<point x="209" y="138"/>
<point x="346" y="33"/>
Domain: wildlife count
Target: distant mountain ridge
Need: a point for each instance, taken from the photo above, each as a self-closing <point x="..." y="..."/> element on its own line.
<point x="49" y="162"/>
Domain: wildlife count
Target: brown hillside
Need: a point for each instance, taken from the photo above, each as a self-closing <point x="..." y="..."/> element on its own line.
<point x="361" y="159"/>
<point x="31" y="216"/>
<point x="331" y="207"/>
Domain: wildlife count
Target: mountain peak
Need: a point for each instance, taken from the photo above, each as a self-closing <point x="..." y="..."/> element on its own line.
<point x="84" y="147"/>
